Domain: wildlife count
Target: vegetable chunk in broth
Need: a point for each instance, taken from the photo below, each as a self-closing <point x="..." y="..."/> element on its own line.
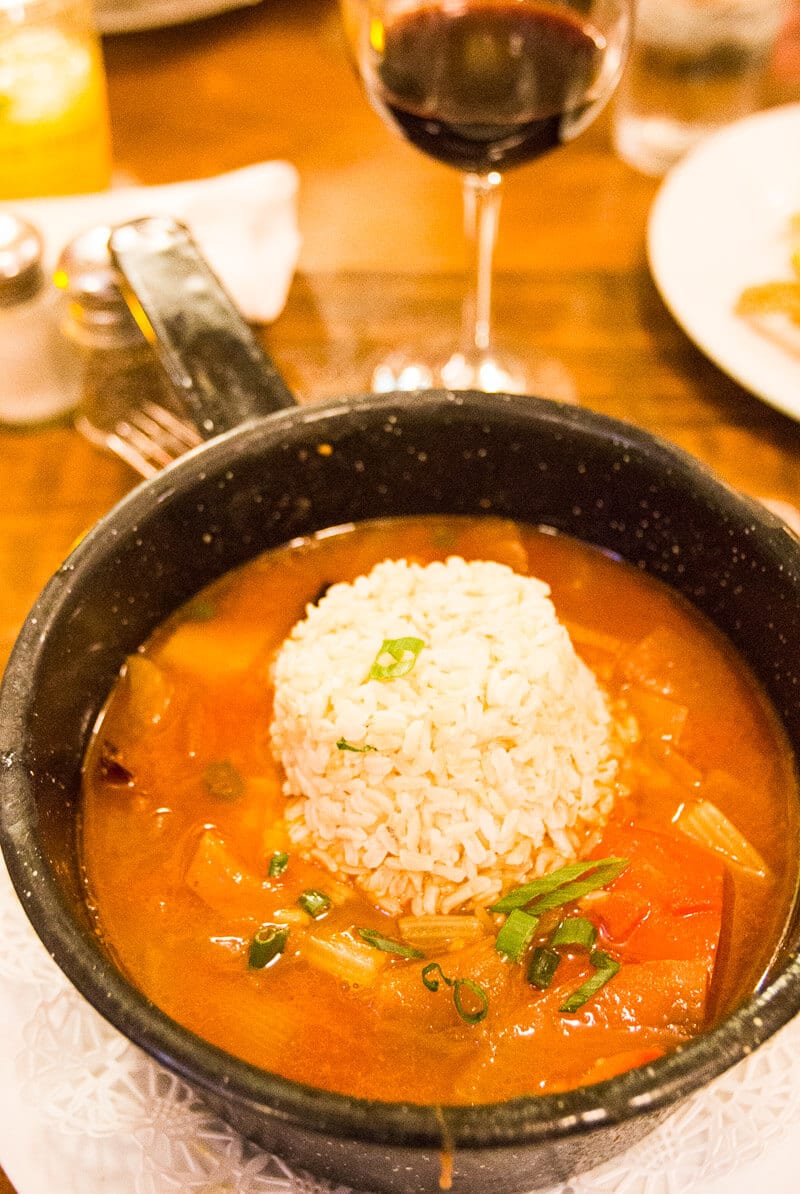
<point x="624" y="933"/>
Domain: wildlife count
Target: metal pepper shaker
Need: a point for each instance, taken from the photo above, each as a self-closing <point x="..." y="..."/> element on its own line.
<point x="40" y="375"/>
<point x="120" y="370"/>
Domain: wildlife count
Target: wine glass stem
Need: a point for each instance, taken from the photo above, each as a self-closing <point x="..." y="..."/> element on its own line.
<point x="482" y="195"/>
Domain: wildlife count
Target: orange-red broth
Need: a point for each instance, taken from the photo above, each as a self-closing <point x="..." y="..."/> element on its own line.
<point x="182" y="813"/>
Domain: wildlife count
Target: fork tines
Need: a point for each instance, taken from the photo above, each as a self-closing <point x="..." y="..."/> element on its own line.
<point x="151" y="437"/>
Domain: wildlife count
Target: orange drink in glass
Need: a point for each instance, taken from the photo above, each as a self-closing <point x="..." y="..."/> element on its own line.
<point x="54" y="127"/>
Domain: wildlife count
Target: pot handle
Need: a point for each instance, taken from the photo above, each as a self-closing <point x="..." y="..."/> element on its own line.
<point x="218" y="369"/>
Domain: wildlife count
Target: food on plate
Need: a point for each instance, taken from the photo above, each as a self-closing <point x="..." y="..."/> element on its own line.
<point x="776" y="296"/>
<point x="442" y="810"/>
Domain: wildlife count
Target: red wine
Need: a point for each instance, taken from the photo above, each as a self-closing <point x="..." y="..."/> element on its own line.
<point x="490" y="86"/>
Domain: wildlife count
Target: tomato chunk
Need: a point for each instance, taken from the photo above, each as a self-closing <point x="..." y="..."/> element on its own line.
<point x="667" y="904"/>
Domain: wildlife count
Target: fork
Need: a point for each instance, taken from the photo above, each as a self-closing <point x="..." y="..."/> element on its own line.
<point x="151" y="437"/>
<point x="217" y="368"/>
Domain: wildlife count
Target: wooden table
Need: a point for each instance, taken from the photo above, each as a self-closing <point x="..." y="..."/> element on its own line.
<point x="382" y="262"/>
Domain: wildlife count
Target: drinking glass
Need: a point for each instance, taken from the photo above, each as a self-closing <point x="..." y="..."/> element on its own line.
<point x="485" y="85"/>
<point x="54" y="126"/>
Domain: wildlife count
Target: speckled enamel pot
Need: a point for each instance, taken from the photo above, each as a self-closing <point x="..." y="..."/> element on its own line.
<point x="290" y="474"/>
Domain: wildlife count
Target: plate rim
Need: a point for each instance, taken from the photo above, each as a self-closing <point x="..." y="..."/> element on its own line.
<point x="671" y="201"/>
<point x="144" y="15"/>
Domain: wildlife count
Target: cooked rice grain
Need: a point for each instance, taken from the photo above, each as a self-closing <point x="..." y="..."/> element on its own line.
<point x="490" y="760"/>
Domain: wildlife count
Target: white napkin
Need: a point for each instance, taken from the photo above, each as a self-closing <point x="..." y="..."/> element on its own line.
<point x="245" y="223"/>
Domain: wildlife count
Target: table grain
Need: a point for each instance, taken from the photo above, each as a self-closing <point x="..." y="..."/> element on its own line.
<point x="382" y="264"/>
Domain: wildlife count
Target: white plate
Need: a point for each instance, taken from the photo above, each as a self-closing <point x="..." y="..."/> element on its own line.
<point x="132" y="16"/>
<point x="720" y="222"/>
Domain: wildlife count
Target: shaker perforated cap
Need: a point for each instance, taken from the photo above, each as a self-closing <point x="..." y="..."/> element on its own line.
<point x="98" y="313"/>
<point x="21" y="274"/>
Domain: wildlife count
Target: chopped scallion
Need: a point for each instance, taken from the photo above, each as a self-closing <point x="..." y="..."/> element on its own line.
<point x="404" y="652"/>
<point x="544" y="964"/>
<point x="480" y="995"/>
<point x="388" y="945"/>
<point x="516" y="934"/>
<point x="343" y="744"/>
<point x="574" y="930"/>
<point x="605" y="968"/>
<point x="603" y="874"/>
<point x="433" y="983"/>
<point x="315" y="903"/>
<point x="518" y="897"/>
<point x="278" y="864"/>
<point x="266" y="945"/>
<point x="562" y="886"/>
<point x="458" y="985"/>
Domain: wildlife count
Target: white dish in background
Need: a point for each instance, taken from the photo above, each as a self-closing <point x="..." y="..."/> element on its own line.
<point x="720" y="223"/>
<point x="133" y="16"/>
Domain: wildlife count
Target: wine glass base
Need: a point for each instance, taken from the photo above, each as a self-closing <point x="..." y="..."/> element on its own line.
<point x="542" y="377"/>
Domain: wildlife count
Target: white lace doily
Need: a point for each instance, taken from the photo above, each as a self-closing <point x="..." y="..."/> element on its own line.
<point x="82" y="1110"/>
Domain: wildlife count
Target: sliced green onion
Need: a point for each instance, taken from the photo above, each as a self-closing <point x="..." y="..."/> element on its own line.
<point x="479" y="993"/>
<point x="605" y="968"/>
<point x="574" y="930"/>
<point x="458" y="985"/>
<point x="562" y="886"/>
<point x="404" y="652"/>
<point x="223" y="781"/>
<point x="278" y="864"/>
<point x="267" y="944"/>
<point x="544" y="964"/>
<point x="388" y="945"/>
<point x="516" y="934"/>
<point x="604" y="873"/>
<point x="433" y="983"/>
<point x="314" y="902"/>
<point x="520" y="896"/>
<point x="343" y="744"/>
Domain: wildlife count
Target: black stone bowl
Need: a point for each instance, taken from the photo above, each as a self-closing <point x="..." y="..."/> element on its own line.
<point x="291" y="474"/>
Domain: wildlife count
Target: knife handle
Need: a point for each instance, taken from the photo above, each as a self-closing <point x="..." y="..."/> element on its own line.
<point x="218" y="368"/>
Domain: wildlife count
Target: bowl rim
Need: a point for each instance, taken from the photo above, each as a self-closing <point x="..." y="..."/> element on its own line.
<point x="523" y="1120"/>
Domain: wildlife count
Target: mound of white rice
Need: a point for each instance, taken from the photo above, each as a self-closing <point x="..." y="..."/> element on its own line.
<point x="481" y="767"/>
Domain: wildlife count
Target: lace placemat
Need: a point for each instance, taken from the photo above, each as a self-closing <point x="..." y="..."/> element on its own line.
<point x="82" y="1110"/>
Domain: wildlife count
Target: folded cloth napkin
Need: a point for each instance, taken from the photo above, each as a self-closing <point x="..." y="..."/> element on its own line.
<point x="245" y="223"/>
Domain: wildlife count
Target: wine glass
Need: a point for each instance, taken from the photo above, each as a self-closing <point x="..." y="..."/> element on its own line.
<point x="485" y="85"/>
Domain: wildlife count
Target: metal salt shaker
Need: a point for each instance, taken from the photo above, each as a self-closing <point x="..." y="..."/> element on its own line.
<point x="120" y="368"/>
<point x="40" y="375"/>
